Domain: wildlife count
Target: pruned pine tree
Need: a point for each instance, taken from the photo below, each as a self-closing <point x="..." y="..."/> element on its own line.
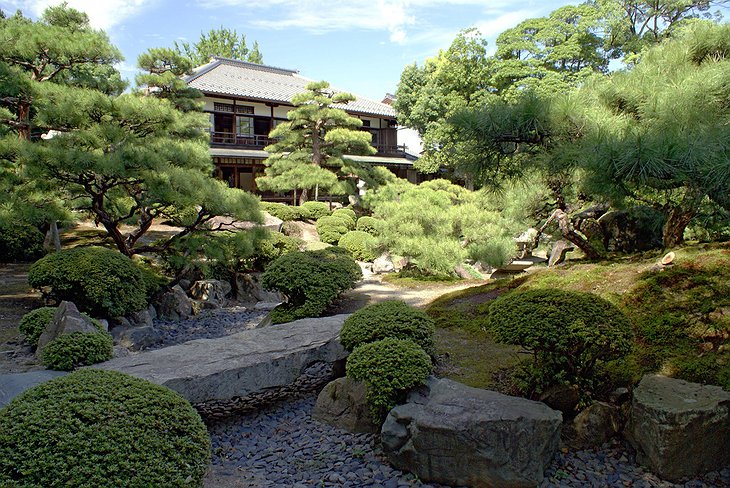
<point x="311" y="148"/>
<point x="222" y="42"/>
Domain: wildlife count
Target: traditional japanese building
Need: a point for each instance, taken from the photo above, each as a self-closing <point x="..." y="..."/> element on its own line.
<point x="246" y="100"/>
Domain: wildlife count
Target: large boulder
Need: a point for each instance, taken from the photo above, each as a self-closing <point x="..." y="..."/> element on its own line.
<point x="679" y="429"/>
<point x="174" y="305"/>
<point x="596" y="424"/>
<point x="214" y="291"/>
<point x="136" y="338"/>
<point x="456" y="435"/>
<point x="383" y="264"/>
<point x="249" y="291"/>
<point x="343" y="403"/>
<point x="66" y="320"/>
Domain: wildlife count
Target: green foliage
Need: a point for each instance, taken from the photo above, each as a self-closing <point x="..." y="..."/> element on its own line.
<point x="311" y="280"/>
<point x="282" y="211"/>
<point x="99" y="281"/>
<point x="332" y="228"/>
<point x="102" y="429"/>
<point x="568" y="333"/>
<point x="20" y="242"/>
<point x="221" y="42"/>
<point x="368" y="224"/>
<point x="346" y="212"/>
<point x="391" y="318"/>
<point x="390" y="367"/>
<point x="361" y="244"/>
<point x="70" y="351"/>
<point x="314" y="210"/>
<point x="35" y="322"/>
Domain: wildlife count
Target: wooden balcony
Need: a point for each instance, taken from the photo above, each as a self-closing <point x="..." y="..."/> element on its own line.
<point x="229" y="139"/>
<point x="390" y="150"/>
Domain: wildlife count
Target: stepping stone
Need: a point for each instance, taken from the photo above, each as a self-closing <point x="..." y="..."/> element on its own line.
<point x="13" y="384"/>
<point x="239" y="364"/>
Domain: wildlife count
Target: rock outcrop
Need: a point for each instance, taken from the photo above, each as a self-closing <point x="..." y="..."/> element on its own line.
<point x="175" y="304"/>
<point x="239" y="364"/>
<point x="66" y="320"/>
<point x="678" y="428"/>
<point x="452" y="434"/>
<point x="343" y="403"/>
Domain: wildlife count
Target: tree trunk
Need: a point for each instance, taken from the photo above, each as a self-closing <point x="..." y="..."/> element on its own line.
<point x="673" y="230"/>
<point x="316" y="192"/>
<point x="55" y="238"/>
<point x="24" y="120"/>
<point x="570" y="234"/>
<point x="303" y="197"/>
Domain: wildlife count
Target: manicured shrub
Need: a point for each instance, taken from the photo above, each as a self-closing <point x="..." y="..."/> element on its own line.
<point x="102" y="429"/>
<point x="314" y="210"/>
<point x="391" y="318"/>
<point x="281" y="211"/>
<point x="35" y="322"/>
<point x="20" y="242"/>
<point x="389" y="367"/>
<point x="311" y="280"/>
<point x="332" y="228"/>
<point x="368" y="224"/>
<point x="346" y="212"/>
<point x="99" y="281"/>
<point x="70" y="351"/>
<point x="568" y="333"/>
<point x="361" y="244"/>
<point x="275" y="245"/>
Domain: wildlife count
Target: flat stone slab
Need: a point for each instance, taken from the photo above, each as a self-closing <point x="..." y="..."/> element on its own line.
<point x="239" y="364"/>
<point x="13" y="384"/>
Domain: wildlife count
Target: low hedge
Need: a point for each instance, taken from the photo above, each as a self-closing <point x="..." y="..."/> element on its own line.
<point x="314" y="210"/>
<point x="35" y="322"/>
<point x="371" y="225"/>
<point x="332" y="228"/>
<point x="281" y="211"/>
<point x="70" y="351"/>
<point x="20" y="242"/>
<point x="361" y="244"/>
<point x="311" y="280"/>
<point x="390" y="368"/>
<point x="101" y="429"/>
<point x="570" y="334"/>
<point x="346" y="212"/>
<point x="100" y="281"/>
<point x="388" y="319"/>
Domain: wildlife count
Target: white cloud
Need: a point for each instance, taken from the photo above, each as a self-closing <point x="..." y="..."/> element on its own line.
<point x="102" y="14"/>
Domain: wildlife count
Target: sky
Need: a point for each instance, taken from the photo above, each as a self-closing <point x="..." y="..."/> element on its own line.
<point x="360" y="46"/>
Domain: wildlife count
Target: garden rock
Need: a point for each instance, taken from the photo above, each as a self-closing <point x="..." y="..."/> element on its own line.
<point x="239" y="364"/>
<point x="211" y="291"/>
<point x="66" y="320"/>
<point x="560" y="249"/>
<point x="561" y="397"/>
<point x="457" y="435"/>
<point x="141" y="318"/>
<point x="136" y="338"/>
<point x="383" y="264"/>
<point x="342" y="403"/>
<point x="678" y="428"/>
<point x="175" y="305"/>
<point x="249" y="290"/>
<point x="596" y="424"/>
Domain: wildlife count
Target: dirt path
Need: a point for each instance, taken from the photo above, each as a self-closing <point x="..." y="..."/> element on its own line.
<point x="16" y="299"/>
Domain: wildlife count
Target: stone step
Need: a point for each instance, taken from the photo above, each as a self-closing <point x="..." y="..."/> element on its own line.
<point x="239" y="364"/>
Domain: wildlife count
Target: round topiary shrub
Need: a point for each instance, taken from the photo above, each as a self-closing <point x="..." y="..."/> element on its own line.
<point x="568" y="333"/>
<point x="361" y="244"/>
<point x="35" y="322"/>
<point x="346" y="212"/>
<point x="281" y="211"/>
<point x="311" y="280"/>
<point x="100" y="281"/>
<point x="369" y="225"/>
<point x="314" y="210"/>
<point x="389" y="367"/>
<point x="391" y="318"/>
<point x="70" y="351"/>
<point x="102" y="429"/>
<point x="20" y="242"/>
<point x="332" y="228"/>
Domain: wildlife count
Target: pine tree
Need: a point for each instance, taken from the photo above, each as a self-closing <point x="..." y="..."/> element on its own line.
<point x="222" y="42"/>
<point x="311" y="149"/>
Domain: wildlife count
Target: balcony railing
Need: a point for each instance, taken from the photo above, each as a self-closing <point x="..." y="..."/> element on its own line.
<point x="239" y="140"/>
<point x="390" y="150"/>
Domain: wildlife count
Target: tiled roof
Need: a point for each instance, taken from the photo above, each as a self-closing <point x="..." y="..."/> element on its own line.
<point x="231" y="77"/>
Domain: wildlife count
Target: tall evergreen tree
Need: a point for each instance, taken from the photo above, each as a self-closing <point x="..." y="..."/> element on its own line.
<point x="311" y="147"/>
<point x="220" y="42"/>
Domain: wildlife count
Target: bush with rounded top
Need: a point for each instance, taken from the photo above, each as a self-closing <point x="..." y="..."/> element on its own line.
<point x="368" y="224"/>
<point x="314" y="210"/>
<point x="70" y="351"/>
<point x="35" y="322"/>
<point x="99" y="281"/>
<point x="311" y="280"/>
<point x="281" y="210"/>
<point x="346" y="212"/>
<point x="361" y="244"/>
<point x="390" y="368"/>
<point x="568" y="333"/>
<point x="391" y="318"/>
<point x="20" y="242"/>
<point x="102" y="429"/>
<point x="332" y="228"/>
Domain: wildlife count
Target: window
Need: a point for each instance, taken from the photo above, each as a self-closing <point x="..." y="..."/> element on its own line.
<point x="244" y="109"/>
<point x="244" y="126"/>
<point x="366" y="123"/>
<point x="222" y="107"/>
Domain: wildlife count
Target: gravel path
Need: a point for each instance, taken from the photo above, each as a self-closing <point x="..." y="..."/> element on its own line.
<point x="284" y="447"/>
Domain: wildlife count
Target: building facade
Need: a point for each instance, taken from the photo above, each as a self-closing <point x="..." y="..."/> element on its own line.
<point x="245" y="101"/>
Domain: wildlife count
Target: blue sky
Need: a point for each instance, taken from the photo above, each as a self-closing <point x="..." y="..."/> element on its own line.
<point x="359" y="46"/>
